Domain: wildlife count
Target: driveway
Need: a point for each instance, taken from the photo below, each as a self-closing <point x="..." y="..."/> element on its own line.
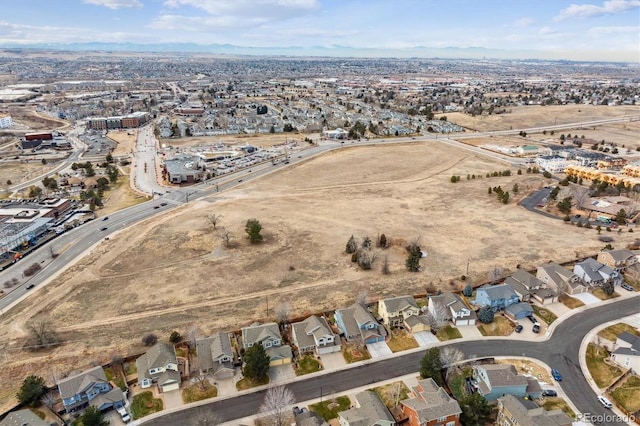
<point x="425" y="338"/>
<point x="281" y="373"/>
<point x="172" y="399"/>
<point x="379" y="349"/>
<point x="227" y="386"/>
<point x="469" y="332"/>
<point x="633" y="320"/>
<point x="333" y="361"/>
<point x="587" y="298"/>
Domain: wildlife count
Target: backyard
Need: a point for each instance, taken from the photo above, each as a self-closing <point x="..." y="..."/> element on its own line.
<point x="627" y="394"/>
<point x="554" y="403"/>
<point x="603" y="374"/>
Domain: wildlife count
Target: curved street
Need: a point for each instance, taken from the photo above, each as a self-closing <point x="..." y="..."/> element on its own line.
<point x="560" y="351"/>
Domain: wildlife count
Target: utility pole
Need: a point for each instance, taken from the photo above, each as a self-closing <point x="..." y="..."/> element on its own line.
<point x="267" y="299"/>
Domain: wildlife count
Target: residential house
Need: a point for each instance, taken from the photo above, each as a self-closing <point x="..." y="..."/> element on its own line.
<point x="528" y="287"/>
<point x="496" y="296"/>
<point x="268" y="335"/>
<point x="514" y="411"/>
<point x="23" y="418"/>
<point x="431" y="406"/>
<point x="416" y="323"/>
<point x="369" y="411"/>
<point x="90" y="387"/>
<point x="215" y="355"/>
<point x="560" y="279"/>
<point x="496" y="380"/>
<point x="620" y="260"/>
<point x="394" y="310"/>
<point x="315" y="335"/>
<point x="358" y="324"/>
<point x="627" y="352"/>
<point x="159" y="365"/>
<point x="595" y="273"/>
<point x="454" y="309"/>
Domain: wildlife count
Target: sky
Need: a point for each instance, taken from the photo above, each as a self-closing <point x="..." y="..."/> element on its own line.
<point x="607" y="30"/>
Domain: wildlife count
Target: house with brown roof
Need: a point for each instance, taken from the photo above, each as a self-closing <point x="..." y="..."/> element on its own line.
<point x="215" y="355"/>
<point x="453" y="308"/>
<point x="315" y="335"/>
<point x="560" y="279"/>
<point x="431" y="406"/>
<point x="620" y="260"/>
<point x="495" y="380"/>
<point x="529" y="287"/>
<point x="268" y="335"/>
<point x="394" y="310"/>
<point x="525" y="412"/>
<point x="159" y="365"/>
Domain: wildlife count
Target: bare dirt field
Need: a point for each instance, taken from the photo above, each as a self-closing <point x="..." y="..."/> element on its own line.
<point x="29" y="117"/>
<point x="125" y="141"/>
<point x="173" y="272"/>
<point x="535" y="116"/>
<point x="18" y="171"/>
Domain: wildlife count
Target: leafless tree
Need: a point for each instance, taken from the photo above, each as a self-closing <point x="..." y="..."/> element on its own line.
<point x="192" y="334"/>
<point x="362" y="296"/>
<point x="276" y="404"/>
<point x="225" y="236"/>
<point x="385" y="265"/>
<point x="494" y="274"/>
<point x="205" y="417"/>
<point x="579" y="194"/>
<point x="49" y="399"/>
<point x="436" y="317"/>
<point x="214" y="219"/>
<point x="366" y="258"/>
<point x="450" y="356"/>
<point x="42" y="333"/>
<point x="203" y="380"/>
<point x="282" y="311"/>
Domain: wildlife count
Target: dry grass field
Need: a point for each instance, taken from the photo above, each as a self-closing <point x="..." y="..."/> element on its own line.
<point x="173" y="272"/>
<point x="259" y="140"/>
<point x="18" y="172"/>
<point x="125" y="141"/>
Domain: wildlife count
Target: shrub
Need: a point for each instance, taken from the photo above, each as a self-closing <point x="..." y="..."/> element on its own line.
<point x="32" y="269"/>
<point x="149" y="339"/>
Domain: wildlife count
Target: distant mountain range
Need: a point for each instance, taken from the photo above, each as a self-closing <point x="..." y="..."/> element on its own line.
<point x="318" y="51"/>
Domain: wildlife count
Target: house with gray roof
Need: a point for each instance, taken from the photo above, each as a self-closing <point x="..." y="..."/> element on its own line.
<point x="496" y="296"/>
<point x="595" y="273"/>
<point x="627" y="352"/>
<point x="394" y="310"/>
<point x="315" y="335"/>
<point x="525" y="412"/>
<point x="159" y="365"/>
<point x="453" y="308"/>
<point x="90" y="387"/>
<point x="22" y="418"/>
<point x="529" y="287"/>
<point x="358" y="324"/>
<point x="431" y="404"/>
<point x="620" y="259"/>
<point x="215" y="355"/>
<point x="268" y="335"/>
<point x="560" y="279"/>
<point x="369" y="411"/>
<point x="495" y="380"/>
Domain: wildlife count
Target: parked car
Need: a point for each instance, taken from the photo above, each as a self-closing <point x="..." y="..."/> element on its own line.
<point x="627" y="287"/>
<point x="518" y="328"/>
<point x="532" y="319"/>
<point x="604" y="401"/>
<point x="536" y="328"/>
<point x="549" y="392"/>
<point x="556" y="375"/>
<point x="123" y="414"/>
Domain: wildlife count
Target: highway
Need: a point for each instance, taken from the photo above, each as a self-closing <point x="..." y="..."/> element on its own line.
<point x="560" y="351"/>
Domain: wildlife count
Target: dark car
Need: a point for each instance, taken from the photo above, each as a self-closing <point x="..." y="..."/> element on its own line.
<point x="627" y="287"/>
<point x="556" y="375"/>
<point x="549" y="392"/>
<point x="532" y="319"/>
<point x="163" y="204"/>
<point x="105" y="218"/>
<point x="30" y="286"/>
<point x="536" y="328"/>
<point x="156" y="207"/>
<point x="104" y="228"/>
<point x="518" y="328"/>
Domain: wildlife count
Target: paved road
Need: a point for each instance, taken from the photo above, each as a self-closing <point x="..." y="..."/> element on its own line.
<point x="561" y="351"/>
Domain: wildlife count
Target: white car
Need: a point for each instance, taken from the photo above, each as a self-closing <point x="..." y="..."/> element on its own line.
<point x="123" y="414"/>
<point x="604" y="401"/>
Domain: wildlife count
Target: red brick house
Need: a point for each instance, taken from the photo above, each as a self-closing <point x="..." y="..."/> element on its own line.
<point x="431" y="406"/>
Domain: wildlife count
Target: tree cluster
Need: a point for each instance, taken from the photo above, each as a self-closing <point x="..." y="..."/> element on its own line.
<point x="256" y="363"/>
<point x="253" y="229"/>
<point x="413" y="258"/>
<point x="503" y="196"/>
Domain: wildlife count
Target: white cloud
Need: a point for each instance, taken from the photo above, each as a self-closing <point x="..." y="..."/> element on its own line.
<point x="115" y="4"/>
<point x="546" y="30"/>
<point x="523" y="22"/>
<point x="603" y="31"/>
<point x="609" y="7"/>
<point x="268" y="8"/>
